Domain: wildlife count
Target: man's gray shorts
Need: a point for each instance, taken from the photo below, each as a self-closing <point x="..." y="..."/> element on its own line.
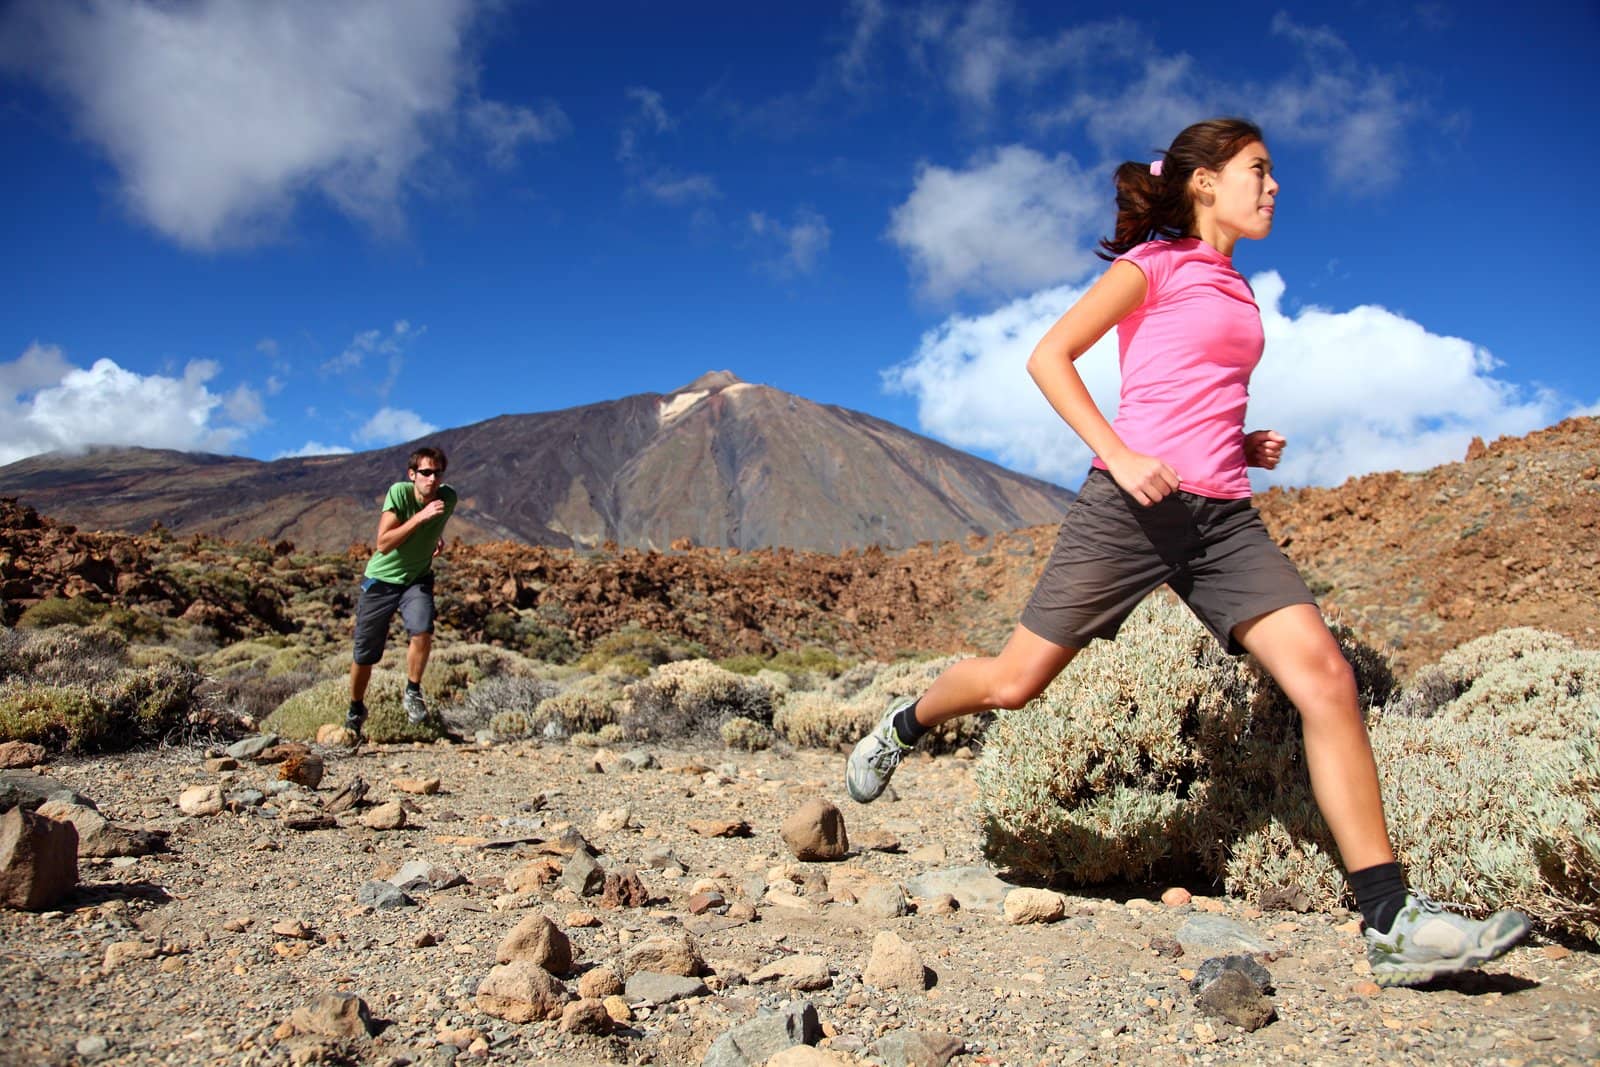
<point x="379" y="601"/>
<point x="1112" y="552"/>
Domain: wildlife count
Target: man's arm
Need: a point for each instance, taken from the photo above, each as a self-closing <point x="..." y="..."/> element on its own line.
<point x="392" y="533"/>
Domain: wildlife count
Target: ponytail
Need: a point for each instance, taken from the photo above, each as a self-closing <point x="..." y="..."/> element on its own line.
<point x="1153" y="199"/>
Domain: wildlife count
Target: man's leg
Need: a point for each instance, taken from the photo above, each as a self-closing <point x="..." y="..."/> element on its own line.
<point x="417" y="657"/>
<point x="417" y="612"/>
<point x="373" y="612"/>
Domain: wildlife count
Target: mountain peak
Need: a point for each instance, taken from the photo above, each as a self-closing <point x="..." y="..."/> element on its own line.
<point x="710" y="381"/>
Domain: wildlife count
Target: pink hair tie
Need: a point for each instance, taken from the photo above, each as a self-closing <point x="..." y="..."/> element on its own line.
<point x="1155" y="167"/>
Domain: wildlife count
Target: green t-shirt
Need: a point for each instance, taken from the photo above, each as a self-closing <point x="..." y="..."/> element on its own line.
<point x="411" y="558"/>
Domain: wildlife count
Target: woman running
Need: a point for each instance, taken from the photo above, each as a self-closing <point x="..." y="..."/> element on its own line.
<point x="1167" y="501"/>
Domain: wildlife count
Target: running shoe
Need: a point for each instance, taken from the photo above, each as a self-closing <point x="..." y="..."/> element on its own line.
<point x="416" y="707"/>
<point x="873" y="760"/>
<point x="1427" y="942"/>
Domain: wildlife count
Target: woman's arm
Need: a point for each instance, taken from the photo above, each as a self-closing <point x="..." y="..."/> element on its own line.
<point x="1117" y="294"/>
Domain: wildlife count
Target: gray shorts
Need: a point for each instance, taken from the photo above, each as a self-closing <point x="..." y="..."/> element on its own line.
<point x="379" y="601"/>
<point x="1112" y="552"/>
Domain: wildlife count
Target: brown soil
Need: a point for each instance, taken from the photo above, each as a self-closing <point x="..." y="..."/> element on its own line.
<point x="211" y="982"/>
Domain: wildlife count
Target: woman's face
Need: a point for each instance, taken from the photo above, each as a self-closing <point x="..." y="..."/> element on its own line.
<point x="1244" y="192"/>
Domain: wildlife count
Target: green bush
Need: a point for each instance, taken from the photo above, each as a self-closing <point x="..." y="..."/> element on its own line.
<point x="55" y="716"/>
<point x="59" y="611"/>
<point x="636" y="646"/>
<point x="586" y="704"/>
<point x="1160" y="755"/>
<point x="326" y="702"/>
<point x="489" y="701"/>
<point x="693" y="697"/>
<point x="827" y="721"/>
<point x="747" y="735"/>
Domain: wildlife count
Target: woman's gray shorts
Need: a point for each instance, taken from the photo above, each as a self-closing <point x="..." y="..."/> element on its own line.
<point x="379" y="601"/>
<point x="1112" y="552"/>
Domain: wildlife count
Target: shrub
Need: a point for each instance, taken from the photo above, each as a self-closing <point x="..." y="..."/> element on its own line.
<point x="816" y="720"/>
<point x="693" y="697"/>
<point x="587" y="704"/>
<point x="55" y="716"/>
<point x="639" y="646"/>
<point x="511" y="724"/>
<point x="326" y="702"/>
<point x="492" y="698"/>
<point x="1436" y="685"/>
<point x="746" y="734"/>
<point x="59" y="611"/>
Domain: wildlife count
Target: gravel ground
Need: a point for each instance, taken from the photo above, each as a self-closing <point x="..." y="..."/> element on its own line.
<point x="204" y="978"/>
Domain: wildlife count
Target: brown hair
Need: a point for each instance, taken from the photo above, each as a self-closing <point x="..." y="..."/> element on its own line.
<point x="1151" y="206"/>
<point x="429" y="453"/>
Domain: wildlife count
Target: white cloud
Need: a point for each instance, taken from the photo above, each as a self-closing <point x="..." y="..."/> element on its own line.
<point x="1354" y="391"/>
<point x="1012" y="219"/>
<point x="800" y="245"/>
<point x="391" y="347"/>
<point x="48" y="404"/>
<point x="391" y="426"/>
<point x="646" y="174"/>
<point x="504" y="127"/>
<point x="314" y="448"/>
<point x="221" y="115"/>
<point x="670" y="187"/>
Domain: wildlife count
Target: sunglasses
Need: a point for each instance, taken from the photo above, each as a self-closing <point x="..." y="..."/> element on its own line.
<point x="428" y="472"/>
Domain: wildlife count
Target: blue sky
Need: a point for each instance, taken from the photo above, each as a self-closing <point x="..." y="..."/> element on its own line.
<point x="275" y="229"/>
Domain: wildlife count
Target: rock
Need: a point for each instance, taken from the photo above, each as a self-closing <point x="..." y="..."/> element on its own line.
<point x="390" y="816"/>
<point x="976" y="888"/>
<point x="753" y="1043"/>
<point x="661" y="858"/>
<point x="27" y="790"/>
<point x="916" y="1048"/>
<point x="92" y="1047"/>
<point x="531" y="876"/>
<point x="710" y="900"/>
<point x="1176" y="897"/>
<point x="38" y="860"/>
<point x="120" y="952"/>
<point x="333" y="735"/>
<point x="665" y="954"/>
<point x="521" y="992"/>
<point x="883" y="901"/>
<point x="200" y="800"/>
<point x="806" y="1056"/>
<point x="422" y="787"/>
<point x="219" y="764"/>
<point x="795" y="972"/>
<point x="623" y="889"/>
<point x="383" y="896"/>
<point x="251" y="747"/>
<point x="587" y="1016"/>
<point x="618" y="1009"/>
<point x="243" y="799"/>
<point x="1034" y="906"/>
<point x="1234" y="997"/>
<point x="348" y="796"/>
<point x="895" y="965"/>
<point x="616" y="819"/>
<point x="719" y="827"/>
<point x="1216" y="966"/>
<point x="302" y="769"/>
<point x="878" y="841"/>
<point x="939" y="904"/>
<point x="338" y="1015"/>
<point x="637" y="760"/>
<point x="100" y="838"/>
<point x="816" y="831"/>
<point x="537" y="940"/>
<point x="21" y="754"/>
<point x="1166" y="946"/>
<point x="1284" y="898"/>
<point x="420" y="875"/>
<point x="582" y="873"/>
<point x="660" y="988"/>
<point x="293" y="929"/>
<point x="598" y="983"/>
<point x="1214" y="931"/>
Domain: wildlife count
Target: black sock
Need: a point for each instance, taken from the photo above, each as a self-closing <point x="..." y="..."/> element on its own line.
<point x="906" y="726"/>
<point x="1380" y="894"/>
<point x="358" y="710"/>
<point x="413" y="687"/>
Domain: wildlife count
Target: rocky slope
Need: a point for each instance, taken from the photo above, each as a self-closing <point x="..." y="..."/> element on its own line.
<point x="718" y="462"/>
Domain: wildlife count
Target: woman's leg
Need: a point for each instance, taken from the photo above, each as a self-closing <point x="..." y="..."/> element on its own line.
<point x="1019" y="673"/>
<point x="1294" y="645"/>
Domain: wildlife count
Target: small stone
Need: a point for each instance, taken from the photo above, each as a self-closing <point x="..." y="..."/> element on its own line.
<point x="1176" y="897"/>
<point x="1234" y="997"/>
<point x="939" y="904"/>
<point x="613" y="820"/>
<point x="304" y="769"/>
<point x="657" y="988"/>
<point x="348" y="796"/>
<point x="1367" y="988"/>
<point x="293" y="929"/>
<point x="719" y="827"/>
<point x="675" y="953"/>
<point x="390" y="816"/>
<point x="710" y="900"/>
<point x="38" y="860"/>
<point x="795" y="972"/>
<point x="623" y="889"/>
<point x="1034" y="906"/>
<point x="916" y="1048"/>
<point x="539" y="941"/>
<point x="816" y="831"/>
<point x="1166" y="946"/>
<point x="92" y="1048"/>
<point x="1213" y="968"/>
<point x="120" y="952"/>
<point x="618" y="1009"/>
<point x="895" y="965"/>
<point x="422" y="787"/>
<point x="251" y="747"/>
<point x="883" y="901"/>
<point x="383" y="896"/>
<point x="587" y="1016"/>
<point x="598" y="983"/>
<point x="521" y="992"/>
<point x="338" y="1015"/>
<point x="582" y="874"/>
<point x="200" y="800"/>
<point x="219" y="764"/>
